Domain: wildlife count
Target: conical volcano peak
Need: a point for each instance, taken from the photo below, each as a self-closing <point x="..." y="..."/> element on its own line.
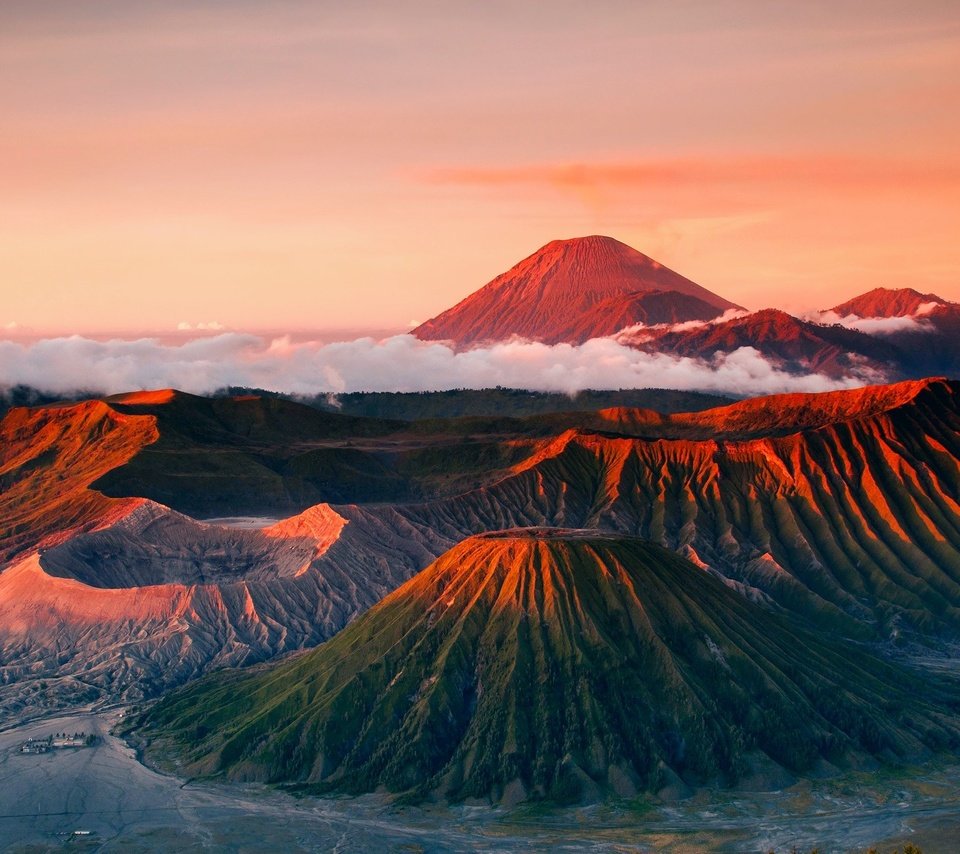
<point x="551" y="294"/>
<point x="596" y="247"/>
<point x="547" y="662"/>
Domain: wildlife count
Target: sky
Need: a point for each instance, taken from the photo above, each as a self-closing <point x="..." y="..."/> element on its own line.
<point x="301" y="166"/>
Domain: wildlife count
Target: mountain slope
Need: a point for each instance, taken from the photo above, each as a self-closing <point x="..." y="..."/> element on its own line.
<point x="551" y="292"/>
<point x="649" y="308"/>
<point x="925" y="328"/>
<point x="795" y="345"/>
<point x="48" y="459"/>
<point x="842" y="507"/>
<point x="888" y="302"/>
<point x="59" y="463"/>
<point x="550" y="663"/>
<point x="152" y="599"/>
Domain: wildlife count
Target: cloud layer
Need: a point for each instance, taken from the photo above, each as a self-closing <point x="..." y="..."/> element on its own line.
<point x="399" y="363"/>
<point x="915" y="322"/>
<point x="755" y="169"/>
<point x="642" y="332"/>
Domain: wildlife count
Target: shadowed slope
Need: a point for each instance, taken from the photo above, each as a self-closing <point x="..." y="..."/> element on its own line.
<point x="550" y="663"/>
<point x="264" y="456"/>
<point x="547" y="296"/>
<point x="269" y="456"/>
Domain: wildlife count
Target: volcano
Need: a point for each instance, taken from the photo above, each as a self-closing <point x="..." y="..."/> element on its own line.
<point x="553" y="663"/>
<point x="554" y="295"/>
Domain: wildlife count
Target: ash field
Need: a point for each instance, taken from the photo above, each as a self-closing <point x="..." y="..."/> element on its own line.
<point x="124" y="806"/>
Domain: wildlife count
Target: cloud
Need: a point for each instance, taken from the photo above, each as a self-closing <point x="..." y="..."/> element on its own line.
<point x="640" y="332"/>
<point x="399" y="363"/>
<point x="210" y="326"/>
<point x="812" y="169"/>
<point x="880" y="325"/>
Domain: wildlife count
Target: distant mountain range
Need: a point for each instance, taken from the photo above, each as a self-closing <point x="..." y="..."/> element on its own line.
<point x="570" y="291"/>
<point x="883" y="334"/>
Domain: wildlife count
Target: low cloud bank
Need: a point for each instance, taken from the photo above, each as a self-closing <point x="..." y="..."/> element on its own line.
<point x="641" y="332"/>
<point x="399" y="363"/>
<point x="881" y="325"/>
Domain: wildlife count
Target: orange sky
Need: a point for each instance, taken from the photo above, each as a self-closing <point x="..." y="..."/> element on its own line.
<point x="324" y="165"/>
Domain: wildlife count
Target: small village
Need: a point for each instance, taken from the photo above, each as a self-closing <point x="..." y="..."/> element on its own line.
<point x="58" y="741"/>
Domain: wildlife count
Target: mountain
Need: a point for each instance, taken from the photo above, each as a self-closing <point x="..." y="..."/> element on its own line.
<point x="554" y="296"/>
<point x="59" y="463"/>
<point x="899" y="334"/>
<point x="886" y="302"/>
<point x="795" y="345"/>
<point x="649" y="308"/>
<point x="121" y="597"/>
<point x="49" y="456"/>
<point x="552" y="663"/>
<point x="923" y="328"/>
<point x="842" y="509"/>
<point x="69" y="470"/>
<point x="152" y="599"/>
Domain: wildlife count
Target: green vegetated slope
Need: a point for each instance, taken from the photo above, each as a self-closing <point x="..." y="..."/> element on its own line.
<point x="559" y="664"/>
